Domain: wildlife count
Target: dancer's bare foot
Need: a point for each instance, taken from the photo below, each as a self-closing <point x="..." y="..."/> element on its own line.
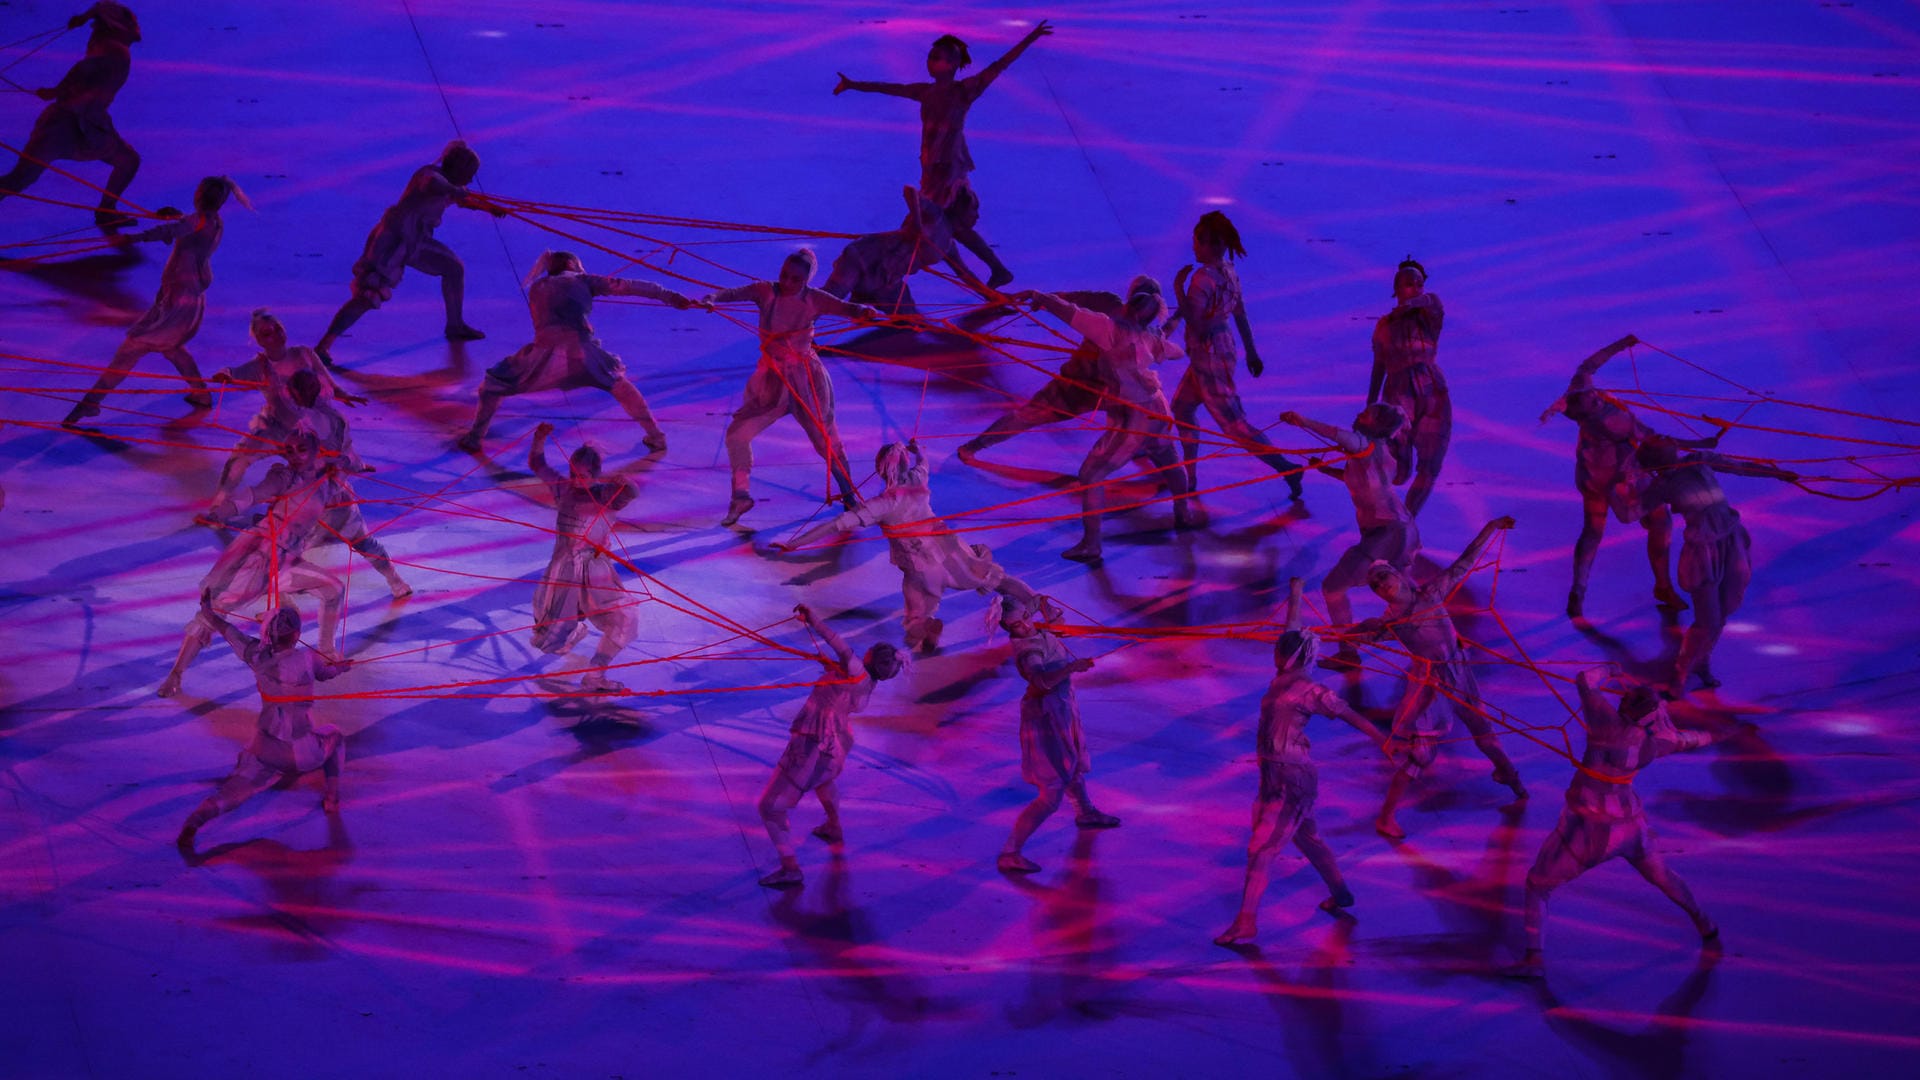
<point x="1189" y="514"/>
<point x="462" y="332"/>
<point x="330" y="802"/>
<point x="1530" y="966"/>
<point x="829" y="832"/>
<point x="787" y="877"/>
<point x="1242" y="931"/>
<point x="656" y="442"/>
<point x="740" y="505"/>
<point x="1094" y="819"/>
<point x="1388" y="825"/>
<point x="1000" y="278"/>
<point x="1012" y="862"/>
<point x="1086" y="551"/>
<point x="82" y="411"/>
<point x="1511" y="778"/>
<point x="200" y="399"/>
<point x="170" y="686"/>
<point x="470" y="442"/>
<point x="1665" y="597"/>
<point x="400" y="589"/>
<point x="1338" y="903"/>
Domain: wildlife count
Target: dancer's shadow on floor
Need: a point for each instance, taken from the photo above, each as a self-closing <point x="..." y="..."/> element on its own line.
<point x="96" y="284"/>
<point x="1472" y="902"/>
<point x="1658" y="1050"/>
<point x="1310" y="1003"/>
<point x="300" y="885"/>
<point x="1072" y="945"/>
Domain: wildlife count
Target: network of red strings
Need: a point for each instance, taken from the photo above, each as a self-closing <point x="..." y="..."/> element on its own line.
<point x="1868" y="467"/>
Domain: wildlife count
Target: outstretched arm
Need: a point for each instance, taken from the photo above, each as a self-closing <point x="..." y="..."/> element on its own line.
<point x="992" y="71"/>
<point x="619" y="286"/>
<point x="239" y="641"/>
<point x="537" y="456"/>
<point x="833" y="305"/>
<point x="1462" y="566"/>
<point x="901" y="90"/>
<point x="1350" y="441"/>
<point x="835" y="642"/>
<point x="1049" y="303"/>
<point x="1737" y="467"/>
<point x="749" y="291"/>
<point x="1331" y="705"/>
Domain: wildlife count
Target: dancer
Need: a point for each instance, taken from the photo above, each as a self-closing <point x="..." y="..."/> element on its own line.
<point x="286" y="743"/>
<point x="1607" y="476"/>
<point x="75" y="125"/>
<point x="873" y="269"/>
<point x="945" y="163"/>
<point x="789" y="379"/>
<point x="181" y="302"/>
<point x="565" y="353"/>
<point x="1053" y="749"/>
<point x="1604" y="818"/>
<point x="1137" y="415"/>
<point x="270" y="556"/>
<point x="1289" y="783"/>
<point x="1208" y="298"/>
<point x="273" y="370"/>
<point x="932" y="560"/>
<point x="1714" y="564"/>
<point x="1072" y="392"/>
<point x="819" y="742"/>
<point x="404" y="238"/>
<point x="582" y="582"/>
<point x="1417" y="617"/>
<point x="1406" y="374"/>
<point x="1387" y="530"/>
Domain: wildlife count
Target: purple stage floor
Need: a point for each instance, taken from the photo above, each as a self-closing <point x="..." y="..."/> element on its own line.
<point x="534" y="886"/>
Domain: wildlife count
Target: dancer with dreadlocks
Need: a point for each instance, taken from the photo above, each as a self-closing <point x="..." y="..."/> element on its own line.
<point x="1289" y="784"/>
<point x="945" y="163"/>
<point x="789" y="379"/>
<point x="565" y="353"/>
<point x="819" y="742"/>
<point x="582" y="584"/>
<point x="1440" y="682"/>
<point x="286" y="743"/>
<point x="873" y="269"/>
<point x="932" y="560"/>
<point x="1604" y="818"/>
<point x="1607" y="476"/>
<point x="75" y="125"/>
<point x="1130" y="344"/>
<point x="1406" y="375"/>
<point x="1209" y="301"/>
<point x="1714" y="565"/>
<point x="1387" y="531"/>
<point x="1053" y="749"/>
<point x="180" y="304"/>
<point x="404" y="239"/>
<point x="273" y="370"/>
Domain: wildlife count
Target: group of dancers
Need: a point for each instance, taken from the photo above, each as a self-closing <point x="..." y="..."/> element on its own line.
<point x="1398" y="441"/>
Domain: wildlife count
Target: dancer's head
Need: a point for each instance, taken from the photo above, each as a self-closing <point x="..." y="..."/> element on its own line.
<point x="304" y="386"/>
<point x="1642" y="705"/>
<point x="282" y="628"/>
<point x="213" y="192"/>
<point x="459" y="163"/>
<point x="267" y="331"/>
<point x="1657" y="452"/>
<point x="1583" y="405"/>
<point x="883" y="661"/>
<point x="1296" y="650"/>
<point x="797" y="269"/>
<point x="1025" y="618"/>
<point x="1215" y="238"/>
<point x="1389" y="582"/>
<point x="585" y="463"/>
<point x="1145" y="303"/>
<point x="893" y="463"/>
<point x="1409" y="279"/>
<point x="561" y="262"/>
<point x="114" y="22"/>
<point x="947" y="55"/>
<point x="1379" y="420"/>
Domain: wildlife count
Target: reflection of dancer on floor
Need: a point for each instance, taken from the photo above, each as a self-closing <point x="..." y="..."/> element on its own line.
<point x="181" y="302"/>
<point x="1387" y="530"/>
<point x="1604" y="818"/>
<point x="1209" y="300"/>
<point x="789" y="379"/>
<point x="404" y="239"/>
<point x="945" y="163"/>
<point x="819" y="742"/>
<point x="582" y="582"/>
<point x="1053" y="749"/>
<point x="1139" y="424"/>
<point x="272" y="370"/>
<point x="1406" y="374"/>
<point x="566" y="354"/>
<point x="1714" y="565"/>
<point x="931" y="558"/>
<point x="1607" y="476"/>
<point x="75" y="125"/>
<point x="1289" y="784"/>
<point x="1073" y="391"/>
<point x="286" y="743"/>
<point x="270" y="557"/>
<point x="873" y="269"/>
<point x="1440" y="681"/>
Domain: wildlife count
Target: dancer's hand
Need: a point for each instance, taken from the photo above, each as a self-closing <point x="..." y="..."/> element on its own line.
<point x="543" y="430"/>
<point x="1044" y="29"/>
<point x="1254" y="365"/>
<point x="1291" y="417"/>
<point x="845" y="84"/>
<point x="46" y="93"/>
<point x="872" y="314"/>
<point x="804" y="613"/>
<point x="79" y="20"/>
<point x="1504" y="521"/>
<point x="1081" y="664"/>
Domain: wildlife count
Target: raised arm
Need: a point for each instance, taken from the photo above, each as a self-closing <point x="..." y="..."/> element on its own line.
<point x="841" y="650"/>
<point x="992" y="71"/>
<point x="537" y="457"/>
<point x="1451" y="578"/>
<point x="1350" y="441"/>
<point x="915" y="91"/>
<point x="1583" y="375"/>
